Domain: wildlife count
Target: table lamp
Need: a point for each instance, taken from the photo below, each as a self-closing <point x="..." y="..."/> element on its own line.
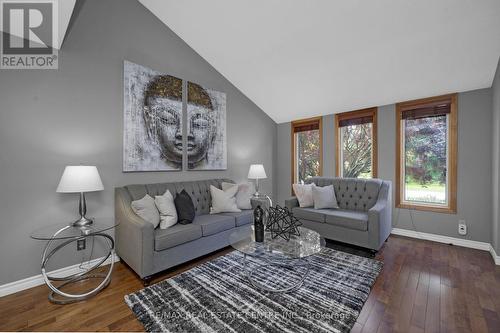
<point x="257" y="172"/>
<point x="80" y="179"/>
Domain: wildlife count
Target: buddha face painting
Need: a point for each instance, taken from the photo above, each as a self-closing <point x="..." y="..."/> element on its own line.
<point x="154" y="132"/>
<point x="201" y="129"/>
<point x="163" y="117"/>
<point x="152" y="111"/>
<point x="206" y="128"/>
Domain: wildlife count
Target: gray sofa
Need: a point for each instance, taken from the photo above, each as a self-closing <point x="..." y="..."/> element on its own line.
<point x="148" y="251"/>
<point x="364" y="217"/>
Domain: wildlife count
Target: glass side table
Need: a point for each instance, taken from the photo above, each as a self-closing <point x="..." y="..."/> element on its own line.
<point x="61" y="235"/>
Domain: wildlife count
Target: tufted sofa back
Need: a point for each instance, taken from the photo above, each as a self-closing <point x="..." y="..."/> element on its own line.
<point x="351" y="193"/>
<point x="198" y="190"/>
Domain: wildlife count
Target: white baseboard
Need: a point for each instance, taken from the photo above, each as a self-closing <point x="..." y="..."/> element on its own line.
<point x="442" y="239"/>
<point x="449" y="240"/>
<point x="496" y="257"/>
<point x="37" y="280"/>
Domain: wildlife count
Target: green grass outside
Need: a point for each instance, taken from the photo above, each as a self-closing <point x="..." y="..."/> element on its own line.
<point x="432" y="193"/>
<point x="434" y="187"/>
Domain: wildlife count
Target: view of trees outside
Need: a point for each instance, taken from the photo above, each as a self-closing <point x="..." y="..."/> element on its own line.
<point x="356" y="143"/>
<point x="308" y="153"/>
<point x="425" y="159"/>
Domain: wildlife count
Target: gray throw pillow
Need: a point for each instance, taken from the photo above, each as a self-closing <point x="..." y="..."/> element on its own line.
<point x="303" y="192"/>
<point x="146" y="209"/>
<point x="166" y="207"/>
<point x="324" y="197"/>
<point x="223" y="201"/>
<point x="244" y="194"/>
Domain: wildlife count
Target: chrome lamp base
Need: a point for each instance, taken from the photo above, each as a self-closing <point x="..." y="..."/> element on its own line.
<point x="83" y="220"/>
<point x="256" y="194"/>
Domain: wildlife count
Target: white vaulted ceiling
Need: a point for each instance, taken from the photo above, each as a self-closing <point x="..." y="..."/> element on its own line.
<point x="303" y="58"/>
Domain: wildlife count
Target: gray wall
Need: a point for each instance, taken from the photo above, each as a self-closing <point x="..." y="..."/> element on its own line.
<point x="496" y="161"/>
<point x="49" y="119"/>
<point x="474" y="167"/>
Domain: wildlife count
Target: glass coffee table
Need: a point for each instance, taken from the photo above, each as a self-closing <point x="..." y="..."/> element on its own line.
<point x="289" y="258"/>
<point x="58" y="237"/>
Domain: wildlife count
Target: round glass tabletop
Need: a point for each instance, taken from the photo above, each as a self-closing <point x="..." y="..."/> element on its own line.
<point x="308" y="243"/>
<point x="67" y="230"/>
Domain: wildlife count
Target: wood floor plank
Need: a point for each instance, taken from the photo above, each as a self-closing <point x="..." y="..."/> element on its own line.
<point x="447" y="323"/>
<point x="492" y="320"/>
<point x="406" y="307"/>
<point x="374" y="318"/>
<point x="423" y="287"/>
<point x="432" y="311"/>
<point x="420" y="303"/>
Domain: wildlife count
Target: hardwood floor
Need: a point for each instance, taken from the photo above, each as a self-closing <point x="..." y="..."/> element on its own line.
<point x="423" y="287"/>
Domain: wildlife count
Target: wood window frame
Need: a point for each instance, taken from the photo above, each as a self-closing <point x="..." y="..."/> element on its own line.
<point x="302" y="122"/>
<point x="372" y="112"/>
<point x="451" y="208"/>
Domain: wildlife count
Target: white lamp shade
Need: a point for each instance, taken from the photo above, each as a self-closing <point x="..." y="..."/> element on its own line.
<point x="80" y="178"/>
<point x="257" y="172"/>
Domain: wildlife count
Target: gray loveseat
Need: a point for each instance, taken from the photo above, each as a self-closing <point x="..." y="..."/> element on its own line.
<point x="364" y="217"/>
<point x="148" y="251"/>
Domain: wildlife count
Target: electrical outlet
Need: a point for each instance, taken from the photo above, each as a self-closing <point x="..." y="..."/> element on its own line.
<point x="80" y="244"/>
<point x="462" y="227"/>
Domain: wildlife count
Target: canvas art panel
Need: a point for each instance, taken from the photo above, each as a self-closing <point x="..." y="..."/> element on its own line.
<point x="206" y="128"/>
<point x="152" y="120"/>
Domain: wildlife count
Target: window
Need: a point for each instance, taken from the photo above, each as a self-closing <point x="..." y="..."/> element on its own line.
<point x="426" y="165"/>
<point x="307" y="152"/>
<point x="356" y="144"/>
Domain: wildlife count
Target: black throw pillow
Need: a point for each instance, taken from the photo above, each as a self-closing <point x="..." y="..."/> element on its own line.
<point x="185" y="208"/>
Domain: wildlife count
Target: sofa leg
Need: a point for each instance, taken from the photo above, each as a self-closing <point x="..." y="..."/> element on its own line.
<point x="146" y="280"/>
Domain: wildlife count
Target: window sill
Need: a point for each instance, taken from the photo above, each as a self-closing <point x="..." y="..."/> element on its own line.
<point x="428" y="208"/>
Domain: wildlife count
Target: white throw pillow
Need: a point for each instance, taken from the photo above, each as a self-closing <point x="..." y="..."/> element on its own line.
<point x="303" y="192"/>
<point x="324" y="197"/>
<point x="223" y="201"/>
<point x="245" y="192"/>
<point x="166" y="207"/>
<point x="146" y="209"/>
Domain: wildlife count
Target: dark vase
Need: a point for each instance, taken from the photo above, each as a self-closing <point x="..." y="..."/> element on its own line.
<point x="258" y="222"/>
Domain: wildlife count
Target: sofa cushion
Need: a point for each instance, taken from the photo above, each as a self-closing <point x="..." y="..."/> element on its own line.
<point x="243" y="217"/>
<point x="348" y="219"/>
<point x="223" y="201"/>
<point x="304" y="194"/>
<point x="214" y="223"/>
<point x="185" y="208"/>
<point x="324" y="197"/>
<point x="146" y="209"/>
<point x="176" y="235"/>
<point x="244" y="195"/>
<point x="311" y="214"/>
<point x="166" y="207"/>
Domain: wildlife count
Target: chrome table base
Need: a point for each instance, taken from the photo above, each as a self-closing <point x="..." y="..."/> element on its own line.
<point x="288" y="264"/>
<point x="86" y="274"/>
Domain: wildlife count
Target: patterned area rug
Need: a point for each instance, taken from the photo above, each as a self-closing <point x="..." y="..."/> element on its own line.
<point x="217" y="297"/>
